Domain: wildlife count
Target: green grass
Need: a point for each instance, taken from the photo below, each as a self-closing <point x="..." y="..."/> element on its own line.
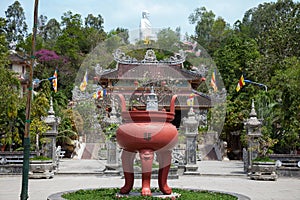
<point x="263" y="159"/>
<point x="40" y="158"/>
<point x="110" y="193"/>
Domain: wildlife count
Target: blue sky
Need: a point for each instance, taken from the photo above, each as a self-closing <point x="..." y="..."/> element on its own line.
<point x="127" y="13"/>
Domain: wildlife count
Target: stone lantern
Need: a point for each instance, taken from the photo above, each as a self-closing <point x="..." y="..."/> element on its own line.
<point x="152" y="102"/>
<point x="190" y="125"/>
<point x="253" y="131"/>
<point x="52" y="121"/>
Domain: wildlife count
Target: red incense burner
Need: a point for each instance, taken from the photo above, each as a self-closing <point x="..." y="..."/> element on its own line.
<point x="147" y="132"/>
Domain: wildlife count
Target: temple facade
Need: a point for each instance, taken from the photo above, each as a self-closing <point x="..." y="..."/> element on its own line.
<point x="134" y="79"/>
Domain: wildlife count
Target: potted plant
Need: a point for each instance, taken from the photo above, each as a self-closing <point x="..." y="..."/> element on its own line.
<point x="110" y="131"/>
<point x="41" y="167"/>
<point x="264" y="168"/>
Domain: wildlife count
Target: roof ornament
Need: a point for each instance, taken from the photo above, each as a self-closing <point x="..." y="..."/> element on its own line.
<point x="178" y="57"/>
<point x="120" y="56"/>
<point x="98" y="69"/>
<point x="150" y="57"/>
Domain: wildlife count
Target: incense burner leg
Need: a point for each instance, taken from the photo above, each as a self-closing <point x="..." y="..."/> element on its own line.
<point x="146" y="156"/>
<point x="164" y="159"/>
<point x="127" y="163"/>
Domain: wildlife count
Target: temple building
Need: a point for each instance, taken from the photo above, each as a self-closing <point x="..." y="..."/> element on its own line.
<point x="134" y="79"/>
<point x="20" y="64"/>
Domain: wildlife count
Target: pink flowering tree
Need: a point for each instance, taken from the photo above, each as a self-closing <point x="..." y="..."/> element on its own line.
<point x="45" y="55"/>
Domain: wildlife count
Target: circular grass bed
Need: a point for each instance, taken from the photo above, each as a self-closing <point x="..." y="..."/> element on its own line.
<point x="110" y="193"/>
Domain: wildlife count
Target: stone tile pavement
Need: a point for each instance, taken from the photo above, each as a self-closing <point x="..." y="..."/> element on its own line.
<point x="225" y="176"/>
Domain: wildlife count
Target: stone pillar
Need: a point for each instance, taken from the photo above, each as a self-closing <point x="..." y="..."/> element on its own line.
<point x="52" y="121"/>
<point x="253" y="131"/>
<point x="112" y="163"/>
<point x="190" y="125"/>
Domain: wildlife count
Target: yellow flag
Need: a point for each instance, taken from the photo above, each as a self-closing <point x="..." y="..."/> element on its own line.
<point x="84" y="82"/>
<point x="54" y="81"/>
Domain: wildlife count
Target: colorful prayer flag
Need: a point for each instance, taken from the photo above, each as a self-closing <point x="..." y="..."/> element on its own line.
<point x="54" y="81"/>
<point x="213" y="82"/>
<point x="99" y="94"/>
<point x="190" y="100"/>
<point x="240" y="84"/>
<point x="83" y="84"/>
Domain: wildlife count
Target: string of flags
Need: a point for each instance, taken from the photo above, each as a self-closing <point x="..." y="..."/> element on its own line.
<point x="99" y="94"/>
<point x="242" y="82"/>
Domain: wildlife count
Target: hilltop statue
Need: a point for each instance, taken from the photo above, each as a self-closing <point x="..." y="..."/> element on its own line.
<point x="145" y="26"/>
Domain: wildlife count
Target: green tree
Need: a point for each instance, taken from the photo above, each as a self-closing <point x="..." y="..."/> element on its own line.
<point x="209" y="32"/>
<point x="42" y="21"/>
<point x="234" y="58"/>
<point x="168" y="40"/>
<point x="93" y="32"/>
<point x="94" y="22"/>
<point x="286" y="83"/>
<point x="26" y="45"/>
<point x="3" y="45"/>
<point x="275" y="28"/>
<point x="40" y="107"/>
<point x="9" y="106"/>
<point x="16" y="27"/>
<point x="50" y="33"/>
<point x="71" y="124"/>
<point x="69" y="43"/>
<point x="219" y="32"/>
<point x="121" y="33"/>
<point x="204" y="21"/>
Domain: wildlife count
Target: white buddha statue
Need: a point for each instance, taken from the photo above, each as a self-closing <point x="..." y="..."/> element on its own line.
<point x="145" y="26"/>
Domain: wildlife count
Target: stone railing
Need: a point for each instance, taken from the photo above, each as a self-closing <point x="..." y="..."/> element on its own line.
<point x="12" y="162"/>
<point x="13" y="157"/>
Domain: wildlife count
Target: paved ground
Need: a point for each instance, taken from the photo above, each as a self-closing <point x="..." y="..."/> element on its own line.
<point x="221" y="176"/>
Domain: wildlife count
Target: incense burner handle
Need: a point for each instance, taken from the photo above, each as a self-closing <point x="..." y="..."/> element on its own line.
<point x="172" y="104"/>
<point x="123" y="102"/>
